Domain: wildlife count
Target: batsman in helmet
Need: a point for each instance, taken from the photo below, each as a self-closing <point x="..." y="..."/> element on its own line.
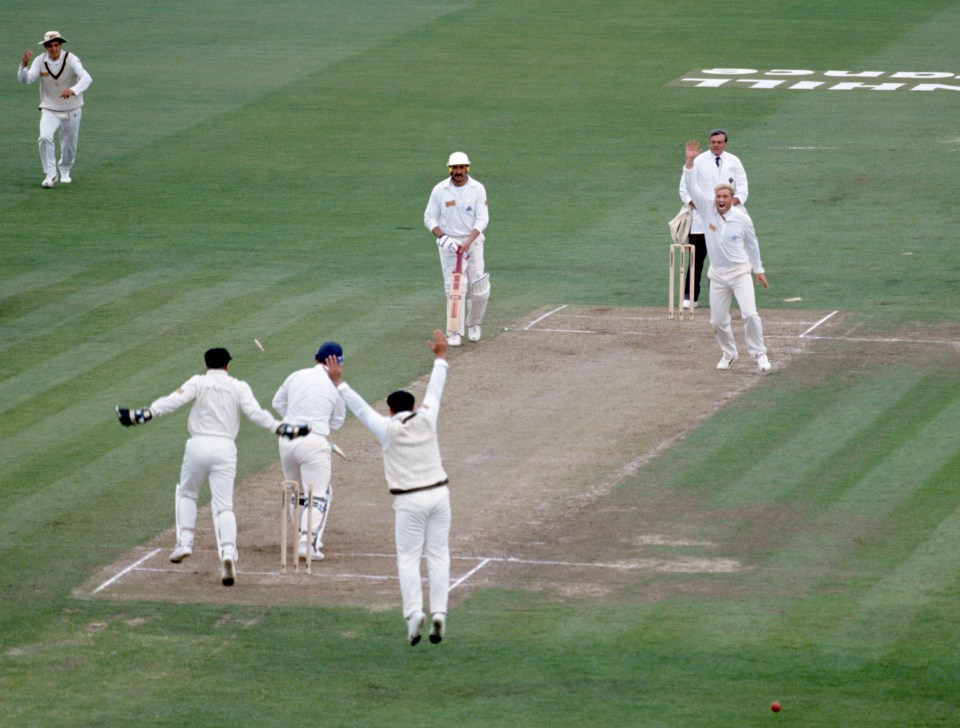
<point x="457" y="216"/>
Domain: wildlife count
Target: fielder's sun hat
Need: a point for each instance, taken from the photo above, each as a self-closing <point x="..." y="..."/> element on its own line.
<point x="217" y="358"/>
<point x="330" y="348"/>
<point x="50" y="36"/>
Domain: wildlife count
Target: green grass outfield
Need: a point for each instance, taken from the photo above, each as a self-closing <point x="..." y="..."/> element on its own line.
<point x="259" y="170"/>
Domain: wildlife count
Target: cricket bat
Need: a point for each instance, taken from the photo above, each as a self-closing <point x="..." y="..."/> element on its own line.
<point x="455" y="302"/>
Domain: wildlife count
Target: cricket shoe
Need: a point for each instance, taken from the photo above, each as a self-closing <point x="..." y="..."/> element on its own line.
<point x="317" y="555"/>
<point x="180" y="553"/>
<point x="726" y="361"/>
<point x="438" y="626"/>
<point x="49" y="181"/>
<point x="453" y="339"/>
<point x="65" y="178"/>
<point x="414" y="625"/>
<point x="228" y="572"/>
<point x="686" y="303"/>
<point x="473" y="333"/>
<point x="763" y="364"/>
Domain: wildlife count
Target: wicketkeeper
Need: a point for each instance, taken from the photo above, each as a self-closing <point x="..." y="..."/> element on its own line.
<point x="211" y="452"/>
<point x="457" y="215"/>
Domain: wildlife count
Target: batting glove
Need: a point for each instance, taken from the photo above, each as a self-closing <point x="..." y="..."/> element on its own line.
<point x="445" y="242"/>
<point x="133" y="418"/>
<point x="292" y="431"/>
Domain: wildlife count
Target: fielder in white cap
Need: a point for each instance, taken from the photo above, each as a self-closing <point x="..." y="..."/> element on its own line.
<point x="457" y="215"/>
<point x="63" y="79"/>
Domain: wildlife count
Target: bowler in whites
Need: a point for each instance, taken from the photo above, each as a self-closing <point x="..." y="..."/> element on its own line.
<point x="734" y="252"/>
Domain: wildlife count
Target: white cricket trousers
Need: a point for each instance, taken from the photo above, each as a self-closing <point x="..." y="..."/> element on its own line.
<point x="212" y="459"/>
<point x="307" y="461"/>
<point x="725" y="284"/>
<point x="423" y="525"/>
<point x="68" y="122"/>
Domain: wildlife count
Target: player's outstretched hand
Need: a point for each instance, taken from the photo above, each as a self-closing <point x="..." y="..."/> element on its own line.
<point x="693" y="150"/>
<point x="439" y="344"/>
<point x="132" y="418"/>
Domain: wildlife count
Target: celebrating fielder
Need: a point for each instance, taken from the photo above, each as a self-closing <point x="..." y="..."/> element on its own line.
<point x="710" y="168"/>
<point x="211" y="451"/>
<point x="734" y="252"/>
<point x="309" y="396"/>
<point x="418" y="483"/>
<point x="457" y="215"/>
<point x="63" y="80"/>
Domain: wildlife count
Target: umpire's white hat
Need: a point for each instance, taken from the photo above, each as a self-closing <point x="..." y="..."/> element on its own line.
<point x="458" y="158"/>
<point x="50" y="36"/>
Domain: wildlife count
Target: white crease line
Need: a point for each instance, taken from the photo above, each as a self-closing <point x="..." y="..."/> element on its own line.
<point x="564" y="331"/>
<point x="618" y="318"/>
<point x="651" y="563"/>
<point x="819" y="323"/>
<point x="470" y="573"/>
<point x="878" y="340"/>
<point x="539" y="562"/>
<point x="130" y="568"/>
<point x="548" y="313"/>
<point x="291" y="572"/>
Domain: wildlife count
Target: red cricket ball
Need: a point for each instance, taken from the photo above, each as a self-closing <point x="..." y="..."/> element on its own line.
<point x="775" y="706"/>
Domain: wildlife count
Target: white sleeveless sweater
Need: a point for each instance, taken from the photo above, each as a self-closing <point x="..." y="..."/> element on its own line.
<point x="411" y="456"/>
<point x="54" y="78"/>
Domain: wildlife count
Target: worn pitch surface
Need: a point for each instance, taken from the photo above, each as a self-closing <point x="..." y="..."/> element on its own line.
<point x="538" y="424"/>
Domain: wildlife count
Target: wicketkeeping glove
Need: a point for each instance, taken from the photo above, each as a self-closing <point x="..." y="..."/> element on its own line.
<point x="292" y="431"/>
<point x="132" y="418"/>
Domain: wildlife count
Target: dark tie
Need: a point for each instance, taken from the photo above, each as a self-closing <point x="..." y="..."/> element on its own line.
<point x="717" y="160"/>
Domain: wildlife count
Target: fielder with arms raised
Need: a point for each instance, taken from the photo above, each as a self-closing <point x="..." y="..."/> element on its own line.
<point x="734" y="253"/>
<point x="211" y="452"/>
<point x="457" y="215"/>
<point x="710" y="168"/>
<point x="418" y="483"/>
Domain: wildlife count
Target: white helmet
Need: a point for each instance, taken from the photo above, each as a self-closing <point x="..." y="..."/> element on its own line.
<point x="458" y="158"/>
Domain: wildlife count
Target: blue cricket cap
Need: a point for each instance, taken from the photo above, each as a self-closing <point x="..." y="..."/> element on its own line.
<point x="330" y="348"/>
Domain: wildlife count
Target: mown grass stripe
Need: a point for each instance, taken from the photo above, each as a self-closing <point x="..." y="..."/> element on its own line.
<point x="890" y="607"/>
<point x="53" y="311"/>
<point x="157" y="365"/>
